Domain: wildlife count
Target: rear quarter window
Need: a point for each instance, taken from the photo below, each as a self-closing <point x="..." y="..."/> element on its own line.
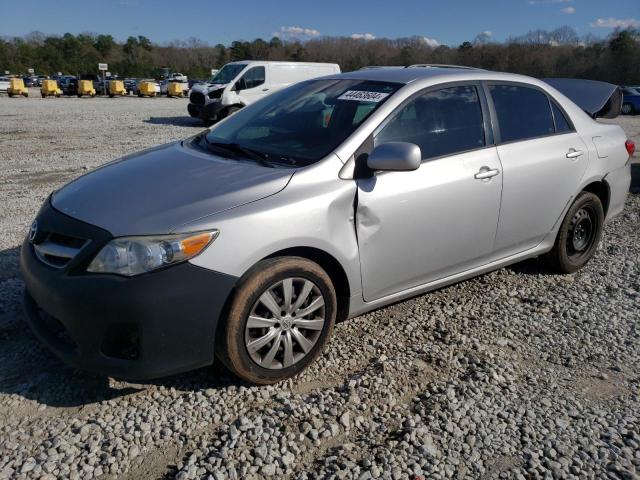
<point x="522" y="112"/>
<point x="562" y="124"/>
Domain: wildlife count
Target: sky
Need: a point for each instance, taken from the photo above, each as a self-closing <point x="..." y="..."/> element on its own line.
<point x="448" y="22"/>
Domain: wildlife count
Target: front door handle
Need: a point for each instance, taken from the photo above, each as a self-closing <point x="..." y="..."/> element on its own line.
<point x="265" y="89"/>
<point x="573" y="153"/>
<point x="486" y="172"/>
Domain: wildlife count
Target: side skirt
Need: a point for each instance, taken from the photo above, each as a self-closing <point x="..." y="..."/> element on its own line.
<point x="359" y="306"/>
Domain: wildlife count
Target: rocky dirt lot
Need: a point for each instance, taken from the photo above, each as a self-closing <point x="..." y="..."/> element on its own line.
<point x="516" y="374"/>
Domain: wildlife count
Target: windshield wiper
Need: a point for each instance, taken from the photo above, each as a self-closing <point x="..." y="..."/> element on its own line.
<point x="236" y="149"/>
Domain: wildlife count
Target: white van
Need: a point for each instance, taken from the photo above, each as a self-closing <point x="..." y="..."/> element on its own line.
<point x="238" y="84"/>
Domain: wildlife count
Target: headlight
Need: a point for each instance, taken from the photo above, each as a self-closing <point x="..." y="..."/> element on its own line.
<point x="135" y="255"/>
<point x="216" y="93"/>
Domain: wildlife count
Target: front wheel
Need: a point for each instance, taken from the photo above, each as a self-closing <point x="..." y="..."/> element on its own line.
<point x="279" y="321"/>
<point x="579" y="234"/>
<point x="231" y="110"/>
<point x="627" y="109"/>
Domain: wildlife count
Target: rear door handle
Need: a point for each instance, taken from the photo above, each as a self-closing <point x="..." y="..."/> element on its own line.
<point x="573" y="153"/>
<point x="486" y="172"/>
<point x="265" y="89"/>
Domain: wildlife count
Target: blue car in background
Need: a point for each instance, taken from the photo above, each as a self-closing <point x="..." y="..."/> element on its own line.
<point x="631" y="100"/>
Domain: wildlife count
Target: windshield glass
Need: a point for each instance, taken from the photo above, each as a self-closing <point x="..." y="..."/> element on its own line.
<point x="227" y="73"/>
<point x="303" y="123"/>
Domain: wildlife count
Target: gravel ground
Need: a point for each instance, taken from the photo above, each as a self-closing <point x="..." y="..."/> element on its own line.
<point x="515" y="374"/>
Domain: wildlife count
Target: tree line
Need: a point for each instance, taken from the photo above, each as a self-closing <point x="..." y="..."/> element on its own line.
<point x="539" y="53"/>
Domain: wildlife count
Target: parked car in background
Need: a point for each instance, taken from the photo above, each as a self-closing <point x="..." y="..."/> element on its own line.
<point x="130" y="84"/>
<point x="4" y="85"/>
<point x="238" y="84"/>
<point x="325" y="200"/>
<point x="69" y="85"/>
<point x="195" y="81"/>
<point x="631" y="100"/>
<point x="30" y="81"/>
<point x="40" y="78"/>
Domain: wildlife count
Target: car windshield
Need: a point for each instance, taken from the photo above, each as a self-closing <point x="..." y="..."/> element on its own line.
<point x="227" y="73"/>
<point x="303" y="123"/>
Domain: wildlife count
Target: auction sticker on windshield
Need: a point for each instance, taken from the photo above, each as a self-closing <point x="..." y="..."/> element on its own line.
<point x="363" y="96"/>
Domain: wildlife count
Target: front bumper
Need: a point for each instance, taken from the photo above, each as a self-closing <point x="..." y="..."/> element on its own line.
<point x="208" y="111"/>
<point x="153" y="325"/>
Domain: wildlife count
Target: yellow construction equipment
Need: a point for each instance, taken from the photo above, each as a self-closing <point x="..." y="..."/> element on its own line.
<point x="116" y="87"/>
<point x="85" y="87"/>
<point x="50" y="88"/>
<point x="16" y="87"/>
<point x="147" y="89"/>
<point x="175" y="89"/>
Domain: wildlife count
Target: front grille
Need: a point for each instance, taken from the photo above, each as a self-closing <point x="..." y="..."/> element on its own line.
<point x="197" y="98"/>
<point x="58" y="250"/>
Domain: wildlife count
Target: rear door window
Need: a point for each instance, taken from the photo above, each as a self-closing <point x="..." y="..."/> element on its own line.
<point x="440" y="122"/>
<point x="522" y="112"/>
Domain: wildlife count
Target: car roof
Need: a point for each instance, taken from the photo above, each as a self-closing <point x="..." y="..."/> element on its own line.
<point x="429" y="72"/>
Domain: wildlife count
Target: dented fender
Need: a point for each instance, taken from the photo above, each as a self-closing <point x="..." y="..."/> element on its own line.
<point x="315" y="210"/>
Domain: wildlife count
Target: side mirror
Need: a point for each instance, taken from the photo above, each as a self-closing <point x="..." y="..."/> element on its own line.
<point x="239" y="85"/>
<point x="395" y="156"/>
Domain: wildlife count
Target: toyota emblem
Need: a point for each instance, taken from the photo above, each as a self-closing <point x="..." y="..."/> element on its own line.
<point x="33" y="231"/>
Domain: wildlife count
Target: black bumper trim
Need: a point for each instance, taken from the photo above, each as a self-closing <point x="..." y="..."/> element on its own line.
<point x="175" y="312"/>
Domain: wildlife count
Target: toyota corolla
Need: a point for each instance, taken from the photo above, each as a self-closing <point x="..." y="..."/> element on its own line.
<point x="321" y="202"/>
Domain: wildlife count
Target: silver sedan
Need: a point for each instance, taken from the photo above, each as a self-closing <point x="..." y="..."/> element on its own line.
<point x="321" y="202"/>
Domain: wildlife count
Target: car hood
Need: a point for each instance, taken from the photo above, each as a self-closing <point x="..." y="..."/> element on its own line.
<point x="160" y="189"/>
<point x="208" y="87"/>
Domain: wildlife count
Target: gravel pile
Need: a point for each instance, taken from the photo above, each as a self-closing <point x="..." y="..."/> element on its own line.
<point x="516" y="374"/>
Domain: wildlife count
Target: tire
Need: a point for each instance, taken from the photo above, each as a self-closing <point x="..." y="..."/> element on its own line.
<point x="43" y="95"/>
<point x="627" y="109"/>
<point x="79" y="95"/>
<point x="268" y="362"/>
<point x="231" y="110"/>
<point x="10" y="95"/>
<point x="26" y="94"/>
<point x="111" y="95"/>
<point x="579" y="234"/>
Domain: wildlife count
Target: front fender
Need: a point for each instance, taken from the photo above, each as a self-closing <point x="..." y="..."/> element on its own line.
<point x="315" y="210"/>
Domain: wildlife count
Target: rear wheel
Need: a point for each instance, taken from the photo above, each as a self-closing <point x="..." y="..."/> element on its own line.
<point x="627" y="109"/>
<point x="279" y="322"/>
<point x="579" y="234"/>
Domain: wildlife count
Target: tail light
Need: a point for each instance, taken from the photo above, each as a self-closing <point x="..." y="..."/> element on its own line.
<point x="630" y="146"/>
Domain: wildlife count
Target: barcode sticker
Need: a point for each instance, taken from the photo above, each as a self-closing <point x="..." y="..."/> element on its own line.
<point x="363" y="96"/>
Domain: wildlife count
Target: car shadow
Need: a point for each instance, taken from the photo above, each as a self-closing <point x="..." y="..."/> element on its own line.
<point x="30" y="371"/>
<point x="183" y="121"/>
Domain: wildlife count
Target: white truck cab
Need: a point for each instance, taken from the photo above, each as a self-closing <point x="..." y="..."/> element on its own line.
<point x="241" y="83"/>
